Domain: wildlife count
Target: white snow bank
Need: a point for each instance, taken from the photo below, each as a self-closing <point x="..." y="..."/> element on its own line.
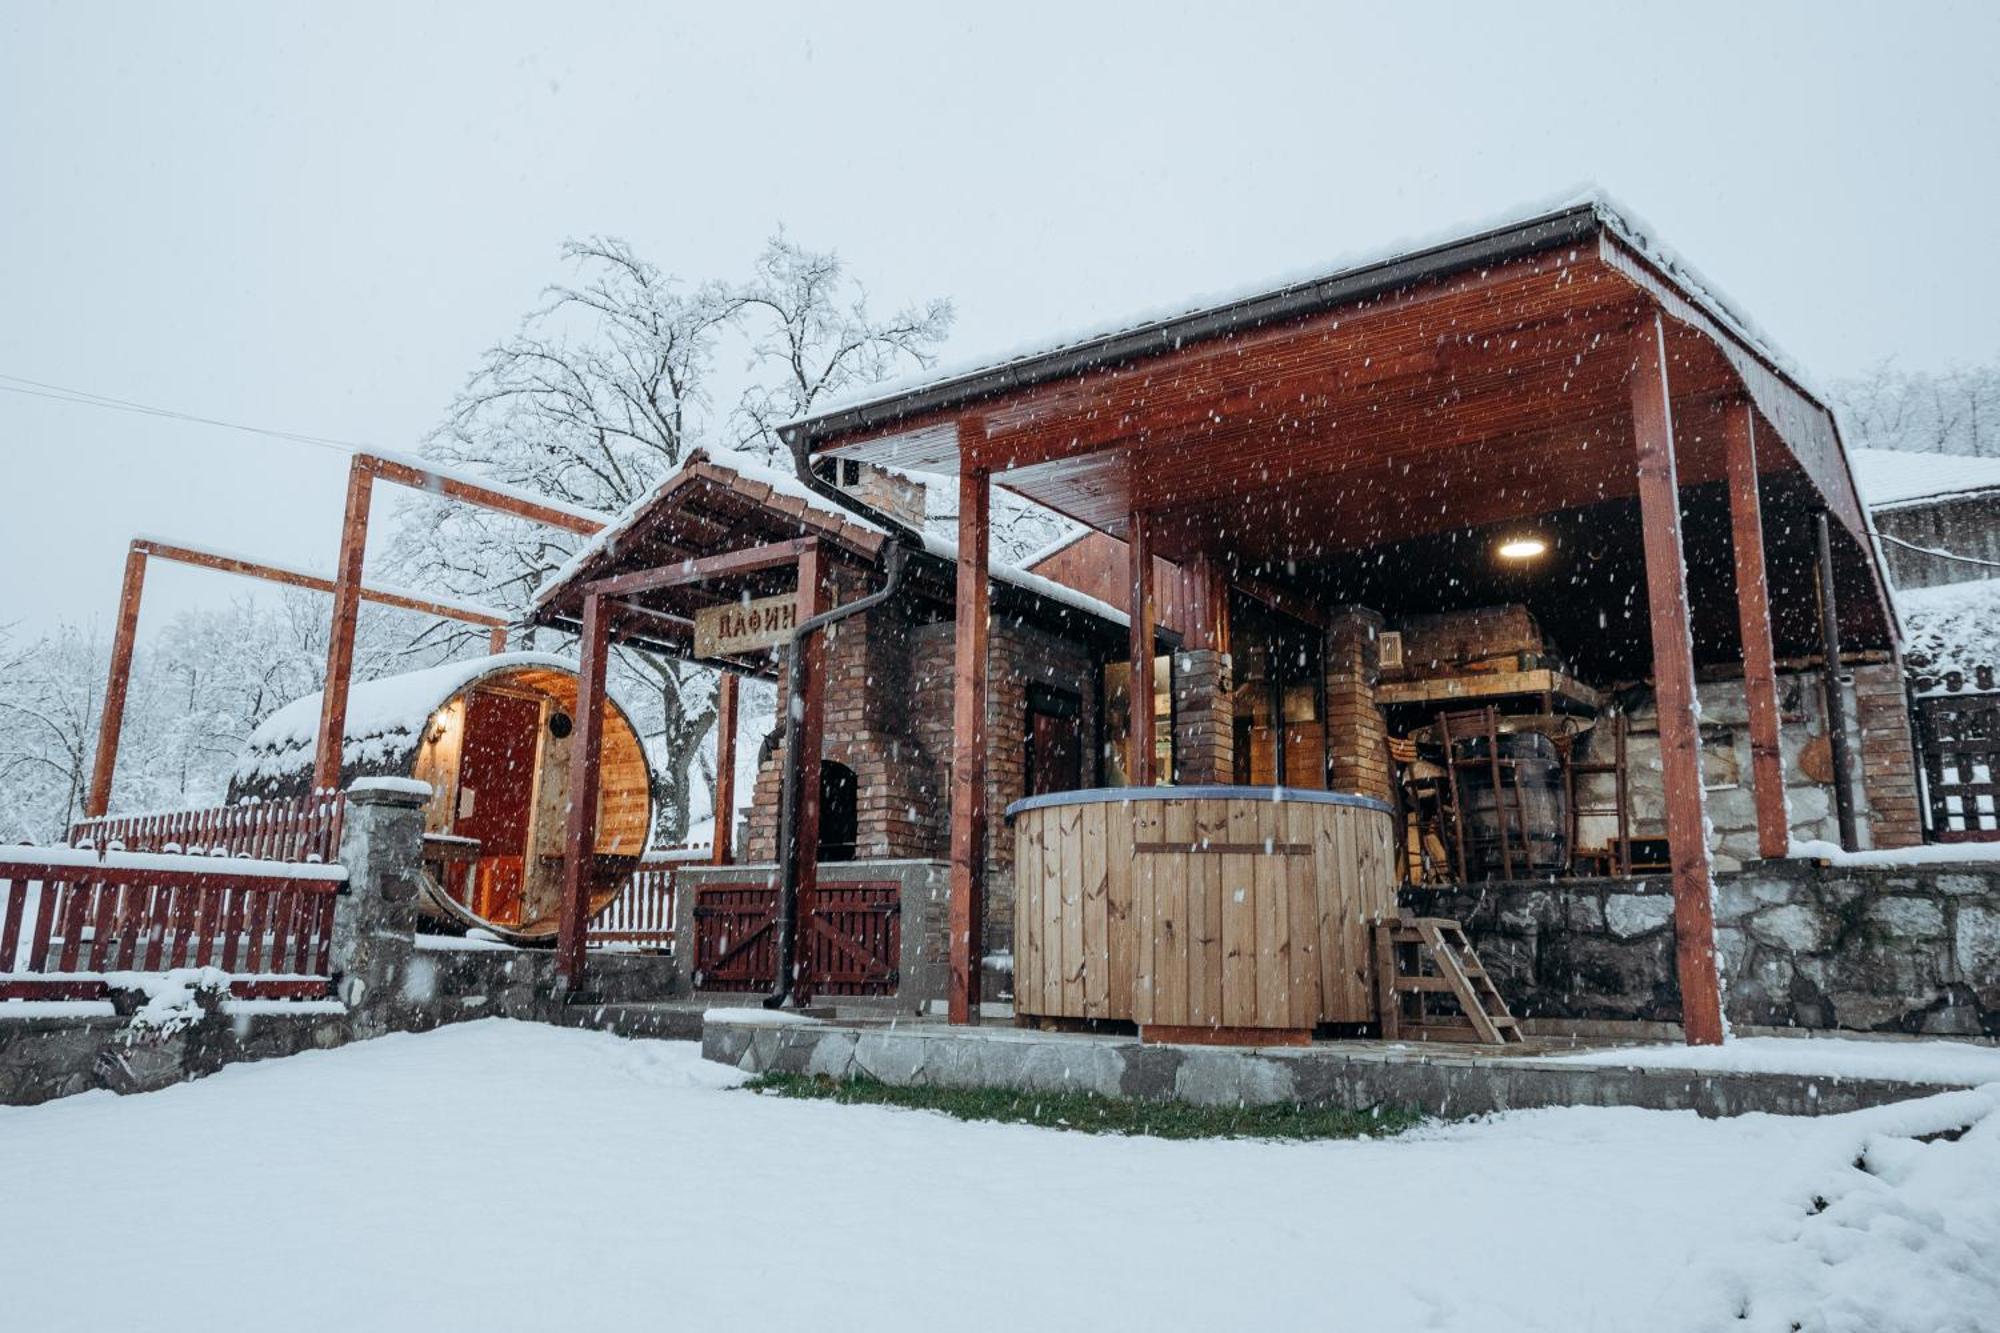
<point x="1918" y="1060"/>
<point x="1660" y="1221"/>
<point x="21" y="1009"/>
<point x="169" y="861"/>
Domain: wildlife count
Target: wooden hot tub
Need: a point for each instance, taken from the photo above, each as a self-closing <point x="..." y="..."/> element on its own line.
<point x="1200" y="913"/>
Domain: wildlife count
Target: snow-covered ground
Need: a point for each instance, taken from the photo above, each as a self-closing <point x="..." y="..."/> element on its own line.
<point x="507" y="1176"/>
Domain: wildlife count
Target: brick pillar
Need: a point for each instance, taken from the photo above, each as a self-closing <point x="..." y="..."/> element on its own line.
<point x="1204" y="717"/>
<point x="1357" y="733"/>
<point x="1888" y="765"/>
<point x="375" y="918"/>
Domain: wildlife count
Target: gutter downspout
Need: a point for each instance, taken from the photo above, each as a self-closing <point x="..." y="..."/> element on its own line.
<point x="795" y="760"/>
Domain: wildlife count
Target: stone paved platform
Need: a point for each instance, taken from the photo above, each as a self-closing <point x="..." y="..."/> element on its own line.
<point x="1357" y="1075"/>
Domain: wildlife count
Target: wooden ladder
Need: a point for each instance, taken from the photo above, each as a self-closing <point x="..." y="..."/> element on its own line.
<point x="1403" y="989"/>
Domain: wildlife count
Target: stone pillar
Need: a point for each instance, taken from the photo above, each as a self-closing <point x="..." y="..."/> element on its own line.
<point x="375" y="917"/>
<point x="1888" y="763"/>
<point x="1204" y="717"/>
<point x="1357" y="734"/>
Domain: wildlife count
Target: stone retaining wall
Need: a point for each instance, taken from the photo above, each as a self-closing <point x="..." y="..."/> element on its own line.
<point x="1875" y="949"/>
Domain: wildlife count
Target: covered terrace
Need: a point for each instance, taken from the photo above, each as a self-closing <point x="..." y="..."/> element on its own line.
<point x="1375" y="434"/>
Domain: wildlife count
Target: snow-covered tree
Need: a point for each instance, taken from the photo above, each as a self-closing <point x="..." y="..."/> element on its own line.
<point x="604" y="388"/>
<point x="1954" y="411"/>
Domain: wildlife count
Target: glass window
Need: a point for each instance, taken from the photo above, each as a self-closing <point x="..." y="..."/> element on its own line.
<point x="1279" y="704"/>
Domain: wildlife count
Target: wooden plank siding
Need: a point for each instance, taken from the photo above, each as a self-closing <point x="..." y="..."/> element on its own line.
<point x="1215" y="913"/>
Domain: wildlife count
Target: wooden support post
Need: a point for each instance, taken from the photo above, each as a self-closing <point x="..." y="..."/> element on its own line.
<point x="1753" y="614"/>
<point x="722" y="849"/>
<point x="496" y="642"/>
<point x="111" y="719"/>
<point x="1139" y="552"/>
<point x="340" y="640"/>
<point x="968" y="749"/>
<point x="580" y="833"/>
<point x="1673" y="684"/>
<point x="1836" y="702"/>
<point x="810" y="734"/>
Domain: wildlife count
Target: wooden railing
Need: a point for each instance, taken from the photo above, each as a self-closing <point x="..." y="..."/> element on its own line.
<point x="643" y="914"/>
<point x="297" y="828"/>
<point x="68" y="916"/>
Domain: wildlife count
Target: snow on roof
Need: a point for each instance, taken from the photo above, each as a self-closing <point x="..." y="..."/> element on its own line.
<point x="1888" y="478"/>
<point x="385" y="717"/>
<point x="1619" y="218"/>
<point x="1954" y="627"/>
<point x="745" y="465"/>
<point x="751" y="468"/>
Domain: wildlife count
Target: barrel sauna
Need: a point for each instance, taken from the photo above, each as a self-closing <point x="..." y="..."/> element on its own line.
<point x="491" y="737"/>
<point x="1201" y="913"/>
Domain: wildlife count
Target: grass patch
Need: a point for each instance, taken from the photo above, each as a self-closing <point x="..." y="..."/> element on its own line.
<point x="1091" y="1113"/>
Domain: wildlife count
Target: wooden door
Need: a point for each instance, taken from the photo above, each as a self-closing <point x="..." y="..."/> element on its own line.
<point x="496" y="787"/>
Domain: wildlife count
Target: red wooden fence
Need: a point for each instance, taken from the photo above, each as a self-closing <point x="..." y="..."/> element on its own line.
<point x="850" y="938"/>
<point x="67" y="917"/>
<point x="297" y="828"/>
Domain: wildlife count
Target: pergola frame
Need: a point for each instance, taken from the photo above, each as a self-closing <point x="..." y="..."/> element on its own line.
<point x="1530" y="369"/>
<point x="124" y="639"/>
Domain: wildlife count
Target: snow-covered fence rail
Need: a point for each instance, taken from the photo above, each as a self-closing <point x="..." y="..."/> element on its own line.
<point x="298" y="828"/>
<point x="69" y="916"/>
<point x="642" y="915"/>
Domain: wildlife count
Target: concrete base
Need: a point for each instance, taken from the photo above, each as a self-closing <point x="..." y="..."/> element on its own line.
<point x="1436" y="1080"/>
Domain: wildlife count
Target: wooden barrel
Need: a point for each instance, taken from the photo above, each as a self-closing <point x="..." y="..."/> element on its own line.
<point x="491" y="737"/>
<point x="1201" y="913"/>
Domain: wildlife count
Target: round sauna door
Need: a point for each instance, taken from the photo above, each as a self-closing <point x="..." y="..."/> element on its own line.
<point x="496" y="788"/>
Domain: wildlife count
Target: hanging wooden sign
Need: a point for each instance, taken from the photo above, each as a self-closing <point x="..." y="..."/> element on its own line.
<point x="744" y="627"/>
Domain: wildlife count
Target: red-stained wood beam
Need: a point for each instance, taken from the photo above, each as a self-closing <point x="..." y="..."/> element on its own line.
<point x="417" y="477"/>
<point x="346" y="611"/>
<point x="722" y="849"/>
<point x="968" y="752"/>
<point x="580" y="832"/>
<point x="1753" y="613"/>
<point x="496" y="641"/>
<point x="1139" y="565"/>
<point x="749" y="560"/>
<point x="111" y="721"/>
<point x="298" y="578"/>
<point x="1673" y="685"/>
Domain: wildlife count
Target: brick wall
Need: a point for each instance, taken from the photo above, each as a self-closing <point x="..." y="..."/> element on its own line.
<point x="1888" y="764"/>
<point x="1357" y="733"/>
<point x="1204" y="717"/>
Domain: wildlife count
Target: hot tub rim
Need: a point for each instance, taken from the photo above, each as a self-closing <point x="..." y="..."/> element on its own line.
<point x="1208" y="791"/>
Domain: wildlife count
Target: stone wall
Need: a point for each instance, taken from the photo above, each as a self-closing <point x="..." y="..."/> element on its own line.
<point x="1878" y="949"/>
<point x="1878" y="733"/>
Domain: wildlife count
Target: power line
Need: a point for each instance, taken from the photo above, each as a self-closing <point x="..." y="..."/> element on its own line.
<point x="84" y="398"/>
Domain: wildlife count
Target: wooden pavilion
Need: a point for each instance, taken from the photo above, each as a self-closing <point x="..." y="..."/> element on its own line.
<point x="1374" y="435"/>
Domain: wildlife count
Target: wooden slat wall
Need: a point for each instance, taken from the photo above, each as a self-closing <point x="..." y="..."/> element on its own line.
<point x="1269" y="931"/>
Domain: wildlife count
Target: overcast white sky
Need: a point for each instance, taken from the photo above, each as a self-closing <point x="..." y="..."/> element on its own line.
<point x="315" y="217"/>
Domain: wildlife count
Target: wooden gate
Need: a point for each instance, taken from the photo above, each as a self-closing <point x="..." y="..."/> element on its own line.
<point x="1958" y="737"/>
<point x="850" y="938"/>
